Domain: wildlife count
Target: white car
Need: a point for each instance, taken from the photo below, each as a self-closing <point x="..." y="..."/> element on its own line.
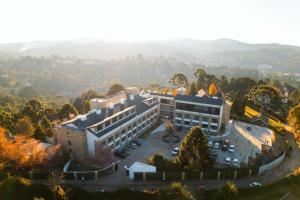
<point x="235" y="162"/>
<point x="175" y="151"/>
<point x="210" y="143"/>
<point x="217" y="145"/>
<point x="255" y="184"/>
<point x="227" y="161"/>
<point x="231" y="148"/>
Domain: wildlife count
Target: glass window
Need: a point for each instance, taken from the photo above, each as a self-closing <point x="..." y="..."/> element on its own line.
<point x="187" y="123"/>
<point x="196" y="117"/>
<point x="187" y="116"/>
<point x="178" y="115"/>
<point x="198" y="108"/>
<point x="110" y="139"/>
<point x="204" y="125"/>
<point x="204" y="119"/>
<point x="107" y="123"/>
<point x="214" y="120"/>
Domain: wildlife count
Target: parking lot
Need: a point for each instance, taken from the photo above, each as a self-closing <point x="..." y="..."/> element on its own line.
<point x="247" y="143"/>
<point x="151" y="144"/>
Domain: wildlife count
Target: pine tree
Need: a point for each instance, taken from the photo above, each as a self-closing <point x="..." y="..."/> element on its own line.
<point x="39" y="133"/>
<point x="194" y="153"/>
<point x="192" y="89"/>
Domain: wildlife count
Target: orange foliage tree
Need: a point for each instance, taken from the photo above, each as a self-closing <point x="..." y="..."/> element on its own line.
<point x="24" y="153"/>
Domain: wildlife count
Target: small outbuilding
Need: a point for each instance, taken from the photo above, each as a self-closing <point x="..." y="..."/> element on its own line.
<point x="140" y="167"/>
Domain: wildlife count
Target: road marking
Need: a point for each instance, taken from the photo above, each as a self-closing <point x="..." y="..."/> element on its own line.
<point x="284" y="196"/>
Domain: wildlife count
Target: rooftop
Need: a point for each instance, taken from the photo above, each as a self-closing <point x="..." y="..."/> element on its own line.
<point x="93" y="117"/>
<point x="204" y="100"/>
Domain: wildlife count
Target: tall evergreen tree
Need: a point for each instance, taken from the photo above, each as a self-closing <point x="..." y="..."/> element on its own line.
<point x="194" y="153"/>
<point x="192" y="89"/>
<point x="39" y="133"/>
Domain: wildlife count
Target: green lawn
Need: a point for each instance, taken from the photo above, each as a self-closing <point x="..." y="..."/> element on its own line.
<point x="274" y="191"/>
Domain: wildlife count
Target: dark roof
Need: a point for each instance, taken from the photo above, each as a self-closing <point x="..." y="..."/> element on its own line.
<point x="163" y="95"/>
<point x="94" y="118"/>
<point x="196" y="99"/>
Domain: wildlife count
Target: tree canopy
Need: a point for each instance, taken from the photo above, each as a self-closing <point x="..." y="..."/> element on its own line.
<point x="115" y="88"/>
<point x="67" y="111"/>
<point x="194" y="153"/>
<point x="179" y="80"/>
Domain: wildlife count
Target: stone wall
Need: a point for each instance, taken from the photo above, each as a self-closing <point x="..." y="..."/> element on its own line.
<point x="73" y="141"/>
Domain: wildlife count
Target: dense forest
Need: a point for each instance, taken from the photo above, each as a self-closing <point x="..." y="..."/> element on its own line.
<point x="69" y="76"/>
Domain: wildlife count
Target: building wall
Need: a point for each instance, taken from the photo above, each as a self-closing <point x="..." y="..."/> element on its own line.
<point x="126" y="131"/>
<point x="73" y="141"/>
<point x="208" y="122"/>
<point x="226" y="112"/>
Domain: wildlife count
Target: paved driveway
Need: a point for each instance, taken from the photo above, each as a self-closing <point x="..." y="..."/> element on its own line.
<point x="152" y="144"/>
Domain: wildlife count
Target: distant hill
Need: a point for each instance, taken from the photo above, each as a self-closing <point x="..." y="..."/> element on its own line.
<point x="221" y="52"/>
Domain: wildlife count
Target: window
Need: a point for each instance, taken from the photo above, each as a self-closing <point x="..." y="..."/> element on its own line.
<point x="213" y="127"/>
<point x="127" y="113"/>
<point x="107" y="123"/>
<point x="178" y="115"/>
<point x="68" y="133"/>
<point x="123" y="131"/>
<point x="69" y="142"/>
<point x="204" y="125"/>
<point x="99" y="127"/>
<point x="114" y="120"/>
<point x="110" y="139"/>
<point x="204" y="119"/>
<point x="117" y="143"/>
<point x="187" y="123"/>
<point x="177" y="121"/>
<point x="196" y="117"/>
<point x="187" y="116"/>
<point x="198" y="108"/>
<point x="214" y="120"/>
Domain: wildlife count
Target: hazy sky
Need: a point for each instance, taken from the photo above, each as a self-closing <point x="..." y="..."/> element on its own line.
<point x="257" y="21"/>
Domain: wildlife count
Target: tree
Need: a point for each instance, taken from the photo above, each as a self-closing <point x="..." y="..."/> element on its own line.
<point x="203" y="79"/>
<point x="39" y="133"/>
<point x="192" y="89"/>
<point x="55" y="184"/>
<point x="259" y="92"/>
<point x="103" y="156"/>
<point x="7" y="120"/>
<point x="67" y="111"/>
<point x="228" y="192"/>
<point x="294" y="120"/>
<point x="115" y="88"/>
<point x="24" y="126"/>
<point x="25" y="153"/>
<point x="82" y="106"/>
<point x="182" y="192"/>
<point x="194" y="153"/>
<point x="212" y="90"/>
<point x="46" y="126"/>
<point x="179" y="80"/>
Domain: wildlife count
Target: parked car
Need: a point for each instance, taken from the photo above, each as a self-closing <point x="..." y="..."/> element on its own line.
<point x="249" y="128"/>
<point x="122" y="153"/>
<point x="214" y="154"/>
<point x="137" y="142"/>
<point x="231" y="148"/>
<point x="217" y="145"/>
<point x="235" y="162"/>
<point x="175" y="151"/>
<point x="210" y="143"/>
<point x="227" y="161"/>
<point x="225" y="145"/>
<point x="255" y="184"/>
